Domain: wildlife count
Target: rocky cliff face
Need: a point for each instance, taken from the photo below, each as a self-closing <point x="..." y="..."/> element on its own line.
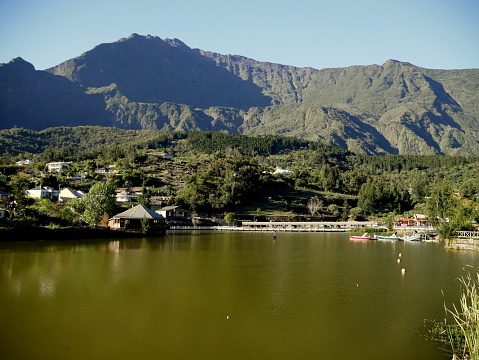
<point x="144" y="82"/>
<point x="152" y="70"/>
<point x="37" y="99"/>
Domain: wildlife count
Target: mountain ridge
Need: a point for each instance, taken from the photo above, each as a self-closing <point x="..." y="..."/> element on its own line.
<point x="145" y="82"/>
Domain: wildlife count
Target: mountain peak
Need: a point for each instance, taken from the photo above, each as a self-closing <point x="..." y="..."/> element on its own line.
<point x="136" y="38"/>
<point x="176" y="43"/>
<point x="20" y="63"/>
<point x="393" y="62"/>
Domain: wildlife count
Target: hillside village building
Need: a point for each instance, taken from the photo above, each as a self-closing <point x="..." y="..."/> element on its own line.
<point x="4" y="196"/>
<point x="24" y="162"/>
<point x="68" y="194"/>
<point x="170" y="212"/>
<point x="43" y="192"/>
<point x="131" y="219"/>
<point x="280" y="171"/>
<point x="106" y="171"/>
<point x="55" y="167"/>
<point x="126" y="196"/>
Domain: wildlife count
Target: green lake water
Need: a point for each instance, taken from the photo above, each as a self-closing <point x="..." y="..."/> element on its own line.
<point x="225" y="295"/>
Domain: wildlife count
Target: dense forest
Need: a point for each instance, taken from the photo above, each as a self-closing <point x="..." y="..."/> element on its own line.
<point x="211" y="173"/>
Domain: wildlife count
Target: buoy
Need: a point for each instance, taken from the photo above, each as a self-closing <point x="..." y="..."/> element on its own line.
<point x="227" y="317"/>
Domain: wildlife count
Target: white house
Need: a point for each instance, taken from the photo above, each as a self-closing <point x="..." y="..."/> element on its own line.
<point x="105" y="171"/>
<point x="79" y="177"/>
<point x="171" y="211"/>
<point x="55" y="167"/>
<point x="280" y="171"/>
<point x="24" y="162"/>
<point x="124" y="197"/>
<point x="68" y="194"/>
<point x="166" y="156"/>
<point x="43" y="192"/>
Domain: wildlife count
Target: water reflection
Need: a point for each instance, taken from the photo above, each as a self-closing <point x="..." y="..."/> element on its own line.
<point x="296" y="296"/>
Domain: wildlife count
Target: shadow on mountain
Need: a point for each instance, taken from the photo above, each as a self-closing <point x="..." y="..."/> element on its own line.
<point x="152" y="70"/>
<point x="443" y="100"/>
<point x="37" y="100"/>
<point x="378" y="140"/>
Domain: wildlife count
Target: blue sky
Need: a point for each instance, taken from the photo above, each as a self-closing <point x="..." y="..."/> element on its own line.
<point x="438" y="34"/>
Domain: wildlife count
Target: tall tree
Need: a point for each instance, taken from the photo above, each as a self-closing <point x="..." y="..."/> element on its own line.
<point x="99" y="200"/>
<point x="314" y="206"/>
<point x="443" y="206"/>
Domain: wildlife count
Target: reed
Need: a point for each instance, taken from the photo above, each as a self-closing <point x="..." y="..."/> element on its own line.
<point x="466" y="320"/>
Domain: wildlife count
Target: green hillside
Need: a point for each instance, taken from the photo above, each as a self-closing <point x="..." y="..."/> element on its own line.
<point x="144" y="82"/>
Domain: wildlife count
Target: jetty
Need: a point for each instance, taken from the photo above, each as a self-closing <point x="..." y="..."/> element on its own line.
<point x="290" y="226"/>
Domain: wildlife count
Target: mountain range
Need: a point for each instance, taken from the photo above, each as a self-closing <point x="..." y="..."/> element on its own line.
<point x="145" y="82"/>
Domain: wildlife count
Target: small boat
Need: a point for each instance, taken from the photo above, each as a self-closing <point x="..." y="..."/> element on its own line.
<point x="415" y="237"/>
<point x="390" y="237"/>
<point x="365" y="236"/>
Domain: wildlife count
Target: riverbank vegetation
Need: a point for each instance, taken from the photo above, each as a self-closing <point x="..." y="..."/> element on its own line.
<point x="213" y="173"/>
<point x="459" y="332"/>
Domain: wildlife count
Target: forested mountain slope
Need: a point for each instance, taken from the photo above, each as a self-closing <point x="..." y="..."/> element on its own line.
<point x="144" y="82"/>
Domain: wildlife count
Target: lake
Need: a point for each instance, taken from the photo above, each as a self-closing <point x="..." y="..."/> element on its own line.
<point x="225" y="295"/>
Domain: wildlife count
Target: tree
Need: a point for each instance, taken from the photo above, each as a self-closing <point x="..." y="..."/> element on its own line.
<point x="230" y="218"/>
<point x="380" y="195"/>
<point x="330" y="178"/>
<point x="130" y="178"/>
<point x="358" y="214"/>
<point x="18" y="201"/>
<point x="345" y="211"/>
<point x="228" y="181"/>
<point x="314" y="205"/>
<point x="144" y="198"/>
<point x="441" y="206"/>
<point x="146" y="226"/>
<point x="449" y="211"/>
<point x="334" y="210"/>
<point x="72" y="211"/>
<point x="99" y="200"/>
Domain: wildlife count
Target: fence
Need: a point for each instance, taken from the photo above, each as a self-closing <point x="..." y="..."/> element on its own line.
<point x="465" y="240"/>
<point x="467" y="234"/>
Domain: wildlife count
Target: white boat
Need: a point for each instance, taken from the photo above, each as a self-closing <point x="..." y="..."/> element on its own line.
<point x="390" y="237"/>
<point x="415" y="237"/>
<point x="365" y="236"/>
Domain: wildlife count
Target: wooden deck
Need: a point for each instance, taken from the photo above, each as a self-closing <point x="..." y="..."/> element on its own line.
<point x="282" y="226"/>
<point x="307" y="226"/>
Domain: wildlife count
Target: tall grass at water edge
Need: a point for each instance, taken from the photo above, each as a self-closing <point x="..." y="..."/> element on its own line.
<point x="459" y="332"/>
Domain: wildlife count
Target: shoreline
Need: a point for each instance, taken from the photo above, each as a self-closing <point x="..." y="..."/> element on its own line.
<point x="34" y="233"/>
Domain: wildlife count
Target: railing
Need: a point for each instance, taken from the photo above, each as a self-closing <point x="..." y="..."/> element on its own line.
<point x="467" y="234"/>
<point x="182" y="227"/>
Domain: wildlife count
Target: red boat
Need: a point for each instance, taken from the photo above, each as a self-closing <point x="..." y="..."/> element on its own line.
<point x="364" y="236"/>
